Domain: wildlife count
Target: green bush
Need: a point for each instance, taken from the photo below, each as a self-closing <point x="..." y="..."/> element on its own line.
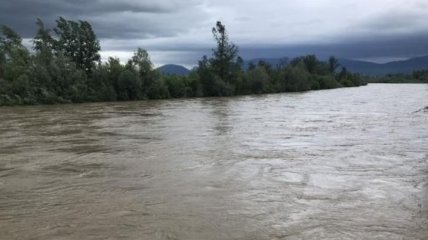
<point x="129" y="86"/>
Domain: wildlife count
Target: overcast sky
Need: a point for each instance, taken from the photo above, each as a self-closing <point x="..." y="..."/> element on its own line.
<point x="175" y="31"/>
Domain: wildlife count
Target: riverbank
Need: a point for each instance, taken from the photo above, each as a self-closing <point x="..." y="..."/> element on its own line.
<point x="16" y="100"/>
<point x="66" y="68"/>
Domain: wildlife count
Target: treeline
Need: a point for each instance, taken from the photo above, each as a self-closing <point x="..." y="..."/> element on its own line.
<point x="65" y="67"/>
<point x="419" y="76"/>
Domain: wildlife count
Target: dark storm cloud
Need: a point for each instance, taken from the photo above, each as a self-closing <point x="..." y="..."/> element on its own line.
<point x="82" y="7"/>
<point x="179" y="31"/>
<point x="398" y="46"/>
<point x="110" y="18"/>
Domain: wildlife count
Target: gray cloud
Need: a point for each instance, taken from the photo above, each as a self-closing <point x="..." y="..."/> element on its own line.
<point x="110" y="18"/>
<point x="179" y="31"/>
<point x="387" y="48"/>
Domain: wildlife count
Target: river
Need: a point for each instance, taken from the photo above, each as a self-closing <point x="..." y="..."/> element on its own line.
<point x="348" y="163"/>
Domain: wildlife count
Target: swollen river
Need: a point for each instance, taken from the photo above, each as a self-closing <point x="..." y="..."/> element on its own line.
<point x="347" y="163"/>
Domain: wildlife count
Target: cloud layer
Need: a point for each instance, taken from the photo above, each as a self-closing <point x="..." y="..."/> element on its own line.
<point x="179" y="31"/>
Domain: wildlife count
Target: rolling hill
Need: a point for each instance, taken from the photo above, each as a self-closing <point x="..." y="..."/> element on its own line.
<point x="173" y="69"/>
<point x="362" y="67"/>
<point x="377" y="69"/>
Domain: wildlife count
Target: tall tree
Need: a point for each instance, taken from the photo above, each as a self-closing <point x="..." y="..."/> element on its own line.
<point x="141" y="60"/>
<point x="142" y="65"/>
<point x="14" y="57"/>
<point x="205" y="76"/>
<point x="152" y="84"/>
<point x="333" y="64"/>
<point x="77" y="41"/>
<point x="310" y="62"/>
<point x="43" y="42"/>
<point x="10" y="37"/>
<point x="2" y="57"/>
<point x="225" y="54"/>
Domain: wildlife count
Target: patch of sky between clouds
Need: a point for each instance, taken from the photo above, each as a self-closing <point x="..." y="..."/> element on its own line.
<point x="158" y="58"/>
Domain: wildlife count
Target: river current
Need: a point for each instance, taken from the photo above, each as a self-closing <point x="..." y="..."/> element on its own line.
<point x="348" y="163"/>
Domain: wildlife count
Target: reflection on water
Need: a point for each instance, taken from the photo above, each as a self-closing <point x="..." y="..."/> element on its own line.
<point x="335" y="164"/>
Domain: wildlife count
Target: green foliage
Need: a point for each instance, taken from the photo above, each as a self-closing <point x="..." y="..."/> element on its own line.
<point x="10" y="38"/>
<point x="156" y="87"/>
<point x="178" y="86"/>
<point x="77" y="41"/>
<point x="114" y="68"/>
<point x="420" y="76"/>
<point x="129" y="86"/>
<point x="333" y="64"/>
<point x="141" y="61"/>
<point x="258" y="80"/>
<point x="195" y="85"/>
<point x="65" y="68"/>
<point x="296" y="78"/>
<point x="100" y="87"/>
<point x="221" y="75"/>
<point x="225" y="55"/>
<point x="14" y="58"/>
<point x="206" y="76"/>
<point x="43" y="43"/>
<point x="326" y="82"/>
<point x="21" y="86"/>
<point x="310" y="62"/>
<point x="348" y="79"/>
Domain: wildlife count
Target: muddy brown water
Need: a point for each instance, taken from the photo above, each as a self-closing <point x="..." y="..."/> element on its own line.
<point x="336" y="164"/>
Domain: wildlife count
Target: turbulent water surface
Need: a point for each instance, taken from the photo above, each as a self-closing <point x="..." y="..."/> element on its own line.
<point x="336" y="164"/>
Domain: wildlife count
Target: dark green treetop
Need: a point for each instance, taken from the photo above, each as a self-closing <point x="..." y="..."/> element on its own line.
<point x="225" y="54"/>
<point x="77" y="41"/>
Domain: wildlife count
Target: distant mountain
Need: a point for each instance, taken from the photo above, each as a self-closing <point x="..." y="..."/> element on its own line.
<point x="363" y="67"/>
<point x="376" y="69"/>
<point x="172" y="69"/>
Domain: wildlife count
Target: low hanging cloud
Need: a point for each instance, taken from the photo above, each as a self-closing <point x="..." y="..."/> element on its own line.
<point x="176" y="31"/>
